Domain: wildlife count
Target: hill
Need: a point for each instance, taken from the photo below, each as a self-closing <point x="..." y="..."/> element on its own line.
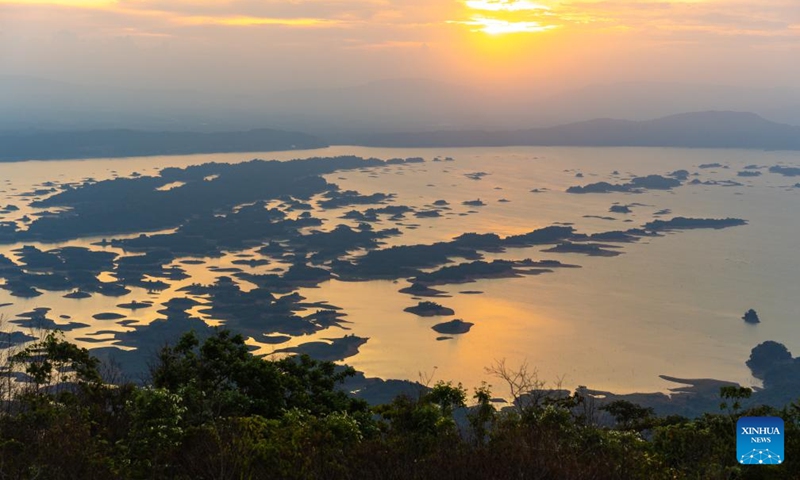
<point x="712" y="129"/>
<point x="132" y="143"/>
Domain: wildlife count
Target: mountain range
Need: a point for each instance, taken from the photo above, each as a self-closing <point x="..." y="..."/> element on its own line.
<point x="385" y="106"/>
<point x="132" y="143"/>
<point x="711" y="129"/>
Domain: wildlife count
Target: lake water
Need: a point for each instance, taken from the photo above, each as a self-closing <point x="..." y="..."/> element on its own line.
<point x="669" y="305"/>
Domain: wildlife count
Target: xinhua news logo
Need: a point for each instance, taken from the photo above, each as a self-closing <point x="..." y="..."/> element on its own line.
<point x="759" y="441"/>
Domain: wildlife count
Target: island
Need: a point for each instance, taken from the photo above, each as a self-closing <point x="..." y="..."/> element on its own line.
<point x="330" y="350"/>
<point x="77" y="294"/>
<point x="469" y="272"/>
<point x="420" y="290"/>
<point x="476" y="175"/>
<point x="785" y="171"/>
<point x="591" y="249"/>
<point x="428" y="214"/>
<point x="620" y="209"/>
<point x="751" y="316"/>
<point x="337" y="199"/>
<point x="749" y="173"/>
<point x="429" y="309"/>
<point x="453" y="327"/>
<point x="108" y="316"/>
<point x="134" y="305"/>
<point x="636" y="185"/>
<point x="768" y="356"/>
<point x="683" y="223"/>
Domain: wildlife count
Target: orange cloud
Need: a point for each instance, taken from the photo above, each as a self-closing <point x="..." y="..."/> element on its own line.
<point x="250" y="21"/>
<point x="65" y="3"/>
<point x="504" y="5"/>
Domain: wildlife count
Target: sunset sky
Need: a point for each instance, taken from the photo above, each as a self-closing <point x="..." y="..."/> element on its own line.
<point x="274" y="44"/>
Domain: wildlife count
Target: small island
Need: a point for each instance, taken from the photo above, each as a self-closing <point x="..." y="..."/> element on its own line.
<point x="749" y="173"/>
<point x="420" y="290"/>
<point x="428" y="214"/>
<point x="454" y="327"/>
<point x="751" y="317"/>
<point x="134" y="305"/>
<point x="785" y="171"/>
<point x="591" y="249"/>
<point x="108" y="316"/>
<point x="476" y="175"/>
<point x="429" y="309"/>
<point x="620" y="209"/>
<point x="479" y="269"/>
<point x="683" y="223"/>
<point x="329" y="350"/>
<point x="636" y="185"/>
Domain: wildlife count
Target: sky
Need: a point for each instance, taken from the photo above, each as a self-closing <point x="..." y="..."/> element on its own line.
<point x="500" y="45"/>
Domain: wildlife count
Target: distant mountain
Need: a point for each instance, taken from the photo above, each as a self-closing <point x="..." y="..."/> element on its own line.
<point x="692" y="130"/>
<point x="44" y="104"/>
<point x="646" y="100"/>
<point x="385" y="106"/>
<point x="379" y="106"/>
<point x="131" y="143"/>
<point x="425" y="105"/>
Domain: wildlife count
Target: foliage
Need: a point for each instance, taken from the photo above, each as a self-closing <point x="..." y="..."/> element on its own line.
<point x="54" y="362"/>
<point x="215" y="411"/>
<point x="220" y="378"/>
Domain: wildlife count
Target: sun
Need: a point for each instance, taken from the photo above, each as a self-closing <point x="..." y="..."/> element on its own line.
<point x="498" y="17"/>
<point x="494" y="26"/>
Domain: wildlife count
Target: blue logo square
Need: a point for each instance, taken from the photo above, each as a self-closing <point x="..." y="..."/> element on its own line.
<point x="759" y="441"/>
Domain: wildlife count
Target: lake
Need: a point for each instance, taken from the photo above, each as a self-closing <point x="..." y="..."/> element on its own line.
<point x="668" y="305"/>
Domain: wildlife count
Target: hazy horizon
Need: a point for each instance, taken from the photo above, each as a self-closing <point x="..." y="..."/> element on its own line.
<point x="391" y="105"/>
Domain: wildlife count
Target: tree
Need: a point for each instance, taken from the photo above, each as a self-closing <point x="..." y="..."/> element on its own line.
<point x="527" y="390"/>
<point x="447" y="397"/>
<point x="221" y="378"/>
<point x="734" y="394"/>
<point x="155" y="432"/>
<point x="628" y="415"/>
<point x="482" y="416"/>
<point x="54" y="365"/>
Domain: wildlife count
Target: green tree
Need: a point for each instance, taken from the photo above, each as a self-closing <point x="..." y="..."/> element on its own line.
<point x="482" y="416"/>
<point x="54" y="364"/>
<point x="221" y="378"/>
<point x="155" y="431"/>
<point x="628" y="415"/>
